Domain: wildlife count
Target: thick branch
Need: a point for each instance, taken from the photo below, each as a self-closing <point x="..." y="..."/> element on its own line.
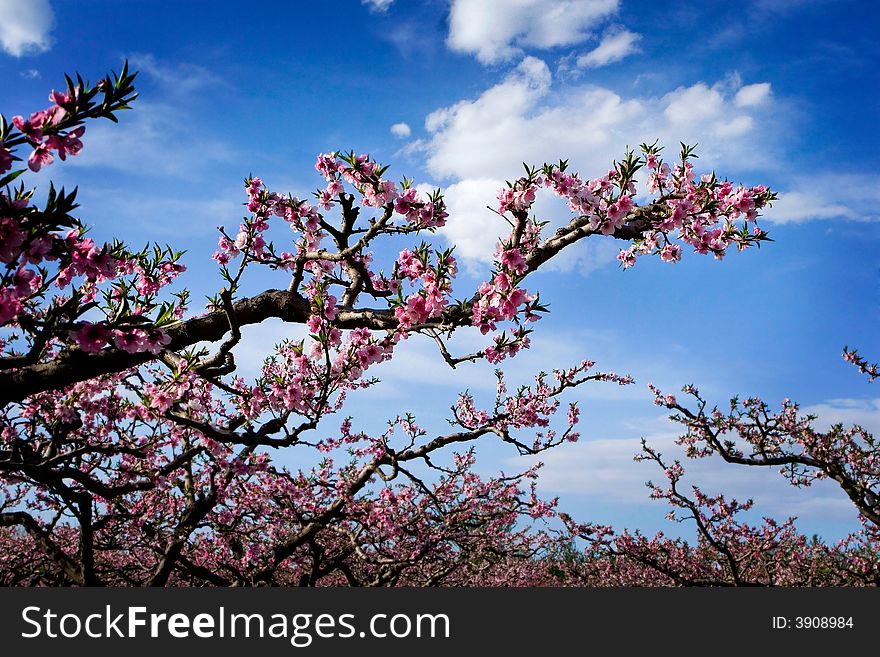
<point x="76" y="365"/>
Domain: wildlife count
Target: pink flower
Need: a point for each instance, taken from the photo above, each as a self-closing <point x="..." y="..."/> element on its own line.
<point x="502" y="282"/>
<point x="33" y="127"/>
<point x="10" y="306"/>
<point x="27" y="281"/>
<point x="326" y="165"/>
<point x="28" y="128"/>
<point x="11" y="238"/>
<point x="40" y="248"/>
<point x="91" y="338"/>
<point x="161" y="401"/>
<point x="156" y="341"/>
<point x="40" y="157"/>
<point x="63" y="100"/>
<point x="70" y="144"/>
<point x="132" y="341"/>
<point x="410" y="265"/>
<point x="626" y="258"/>
<point x="671" y="253"/>
<point x="406" y="204"/>
<point x="379" y="194"/>
<point x="514" y="261"/>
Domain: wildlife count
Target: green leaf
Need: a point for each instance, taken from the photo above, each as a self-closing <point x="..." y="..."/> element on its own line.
<point x="5" y="180"/>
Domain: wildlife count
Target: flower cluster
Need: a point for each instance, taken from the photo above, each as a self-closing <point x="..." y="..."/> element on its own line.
<point x="33" y="128"/>
<point x="376" y="192"/>
<point x="46" y="248"/>
<point x="435" y="281"/>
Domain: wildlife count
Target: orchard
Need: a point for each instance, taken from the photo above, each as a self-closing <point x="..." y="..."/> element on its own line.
<point x="132" y="453"/>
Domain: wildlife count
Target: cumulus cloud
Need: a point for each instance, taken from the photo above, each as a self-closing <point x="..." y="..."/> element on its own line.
<point x="524" y="118"/>
<point x="614" y="46"/>
<point x="752" y="94"/>
<point x="804" y="206"/>
<point x="863" y="412"/>
<point x="401" y="130"/>
<point x="26" y="26"/>
<point x="498" y="30"/>
<point x="474" y="144"/>
<point x="473" y="227"/>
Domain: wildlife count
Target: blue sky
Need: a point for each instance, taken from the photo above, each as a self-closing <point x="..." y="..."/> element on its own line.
<point x="457" y="94"/>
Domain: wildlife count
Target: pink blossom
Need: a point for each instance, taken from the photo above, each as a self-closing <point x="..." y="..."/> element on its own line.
<point x="63" y="100"/>
<point x="70" y="144"/>
<point x="514" y="261"/>
<point x="132" y="341"/>
<point x="27" y="281"/>
<point x="407" y="203"/>
<point x="627" y="258"/>
<point x="670" y="253"/>
<point x="10" y="305"/>
<point x="156" y="340"/>
<point x="161" y="401"/>
<point x="91" y="338"/>
<point x="11" y="239"/>
<point x="40" y="157"/>
<point x="33" y="131"/>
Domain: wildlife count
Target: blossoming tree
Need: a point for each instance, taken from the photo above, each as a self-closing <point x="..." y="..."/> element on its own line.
<point x="132" y="454"/>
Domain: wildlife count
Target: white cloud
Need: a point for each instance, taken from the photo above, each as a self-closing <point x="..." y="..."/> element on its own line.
<point x="694" y="104"/>
<point x="475" y="144"/>
<point x="151" y="140"/>
<point x="25" y="26"/>
<point x="472" y="226"/>
<point x="863" y="412"/>
<point x="158" y="138"/>
<point x="418" y="373"/>
<point x="497" y="30"/>
<point x="735" y="127"/>
<point x="752" y="94"/>
<point x="258" y="342"/>
<point x="378" y="5"/>
<point x="804" y="206"/>
<point x="615" y="45"/>
<point x="401" y="130"/>
<point x="523" y="118"/>
<point x="30" y="74"/>
<point x="604" y="469"/>
<point x="179" y="78"/>
<point x="854" y="197"/>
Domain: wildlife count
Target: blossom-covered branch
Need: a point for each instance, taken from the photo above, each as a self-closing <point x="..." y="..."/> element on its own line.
<point x="131" y="453"/>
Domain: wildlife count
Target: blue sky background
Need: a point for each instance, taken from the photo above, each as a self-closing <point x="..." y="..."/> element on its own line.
<point x="783" y="93"/>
